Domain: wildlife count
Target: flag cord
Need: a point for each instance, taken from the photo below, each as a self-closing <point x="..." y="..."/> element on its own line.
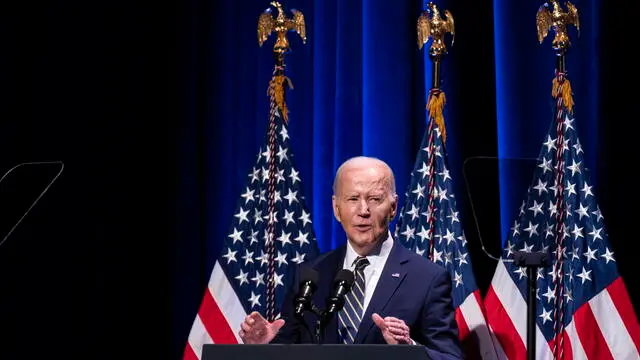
<point x="560" y="86"/>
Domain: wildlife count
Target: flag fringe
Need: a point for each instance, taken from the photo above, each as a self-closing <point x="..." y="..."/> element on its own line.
<point x="276" y="91"/>
<point x="435" y="105"/>
<point x="562" y="88"/>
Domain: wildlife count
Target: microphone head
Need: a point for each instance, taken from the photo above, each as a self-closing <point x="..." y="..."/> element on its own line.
<point x="346" y="276"/>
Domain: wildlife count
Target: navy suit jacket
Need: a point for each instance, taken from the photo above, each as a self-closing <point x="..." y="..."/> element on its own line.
<point x="418" y="292"/>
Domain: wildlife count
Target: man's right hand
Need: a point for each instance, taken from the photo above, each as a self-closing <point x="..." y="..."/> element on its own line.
<point x="257" y="330"/>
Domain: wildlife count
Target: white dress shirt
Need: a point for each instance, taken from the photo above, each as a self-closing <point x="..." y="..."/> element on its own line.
<point x="372" y="272"/>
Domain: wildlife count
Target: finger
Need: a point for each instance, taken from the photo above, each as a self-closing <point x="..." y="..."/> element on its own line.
<point x="399" y="338"/>
<point x="242" y="333"/>
<point x="379" y="321"/>
<point x="398" y="331"/>
<point x="393" y="320"/>
<point x="256" y="317"/>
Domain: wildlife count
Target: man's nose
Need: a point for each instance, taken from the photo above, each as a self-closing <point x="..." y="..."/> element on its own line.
<point x="363" y="208"/>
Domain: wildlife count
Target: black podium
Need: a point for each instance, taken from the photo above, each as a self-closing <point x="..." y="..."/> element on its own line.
<point x="313" y="352"/>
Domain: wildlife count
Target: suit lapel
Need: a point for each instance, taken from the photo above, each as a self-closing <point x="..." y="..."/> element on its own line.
<point x="390" y="279"/>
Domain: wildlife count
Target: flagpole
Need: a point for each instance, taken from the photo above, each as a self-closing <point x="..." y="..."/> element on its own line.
<point x="277" y="110"/>
<point x="431" y="25"/>
<point x="551" y="16"/>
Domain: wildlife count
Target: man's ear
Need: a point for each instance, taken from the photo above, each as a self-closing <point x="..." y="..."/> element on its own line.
<point x="336" y="209"/>
<point x="394" y="206"/>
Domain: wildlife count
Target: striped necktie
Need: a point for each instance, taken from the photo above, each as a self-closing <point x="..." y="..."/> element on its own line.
<point x="352" y="312"/>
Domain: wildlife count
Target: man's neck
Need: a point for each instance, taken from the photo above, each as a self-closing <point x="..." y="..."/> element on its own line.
<point x="372" y="249"/>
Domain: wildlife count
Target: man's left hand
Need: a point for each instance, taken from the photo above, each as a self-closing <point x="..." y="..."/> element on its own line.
<point x="394" y="330"/>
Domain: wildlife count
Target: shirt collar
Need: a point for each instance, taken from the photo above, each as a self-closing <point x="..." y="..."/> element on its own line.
<point x="380" y="253"/>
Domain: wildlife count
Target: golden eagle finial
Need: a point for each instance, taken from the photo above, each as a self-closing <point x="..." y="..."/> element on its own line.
<point x="435" y="27"/>
<point x="551" y="16"/>
<point x="281" y="25"/>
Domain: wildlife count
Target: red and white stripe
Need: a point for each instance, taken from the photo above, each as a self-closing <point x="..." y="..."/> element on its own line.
<point x="605" y="327"/>
<point x="219" y="317"/>
<point x="473" y="327"/>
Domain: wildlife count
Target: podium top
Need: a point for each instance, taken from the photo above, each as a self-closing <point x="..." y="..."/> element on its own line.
<point x="313" y="352"/>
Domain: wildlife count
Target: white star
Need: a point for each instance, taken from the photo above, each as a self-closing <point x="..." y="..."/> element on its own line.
<point x="424" y="234"/>
<point x="578" y="147"/>
<point x="284" y="238"/>
<point x="545" y="316"/>
<point x="595" y="233"/>
<point x="532" y="229"/>
<point x="462" y="258"/>
<point x="542" y="186"/>
<point x="288" y="216"/>
<point x="582" y="211"/>
<point x="590" y="254"/>
<point x="258" y="279"/>
<point x="284" y="133"/>
<point x="608" y="255"/>
<point x="305" y="218"/>
<point x="248" y="257"/>
<point x="413" y="212"/>
<point x="291" y="197"/>
<point x="257" y="215"/>
<point x="418" y="190"/>
<point x="255" y="175"/>
<point x="442" y="194"/>
<point x="457" y="278"/>
<point x="584" y="275"/>
<point x="242" y="277"/>
<point x="445" y="175"/>
<point x="577" y="232"/>
<point x="453" y="216"/>
<point x="550" y="143"/>
<point x="282" y="154"/>
<point x="281" y="258"/>
<point x="294" y="176"/>
<point x="598" y="214"/>
<point x="545" y="165"/>
<point x="424" y="170"/>
<point x="449" y="237"/>
<point x="254" y="299"/>
<point x="254" y="237"/>
<point x="587" y="190"/>
<point x="409" y="233"/>
<point x="575" y="168"/>
<point x="242" y="215"/>
<point x="515" y="228"/>
<point x="236" y="236"/>
<point x="568" y="123"/>
<point x="299" y="258"/>
<point x="230" y="256"/>
<point x="536" y="208"/>
<point x="302" y="238"/>
<point x="248" y="195"/>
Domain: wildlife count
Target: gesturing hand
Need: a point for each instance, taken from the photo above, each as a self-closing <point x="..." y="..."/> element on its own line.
<point x="257" y="330"/>
<point x="394" y="330"/>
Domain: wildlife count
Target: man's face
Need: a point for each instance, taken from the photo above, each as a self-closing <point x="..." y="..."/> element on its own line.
<point x="364" y="204"/>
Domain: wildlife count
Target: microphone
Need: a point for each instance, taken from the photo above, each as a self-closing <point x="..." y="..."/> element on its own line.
<point x="308" y="285"/>
<point x="341" y="286"/>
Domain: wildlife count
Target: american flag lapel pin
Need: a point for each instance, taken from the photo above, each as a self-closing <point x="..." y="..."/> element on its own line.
<point x="395" y="275"/>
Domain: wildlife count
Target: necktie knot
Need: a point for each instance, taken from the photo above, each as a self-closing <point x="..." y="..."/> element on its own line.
<point x="361" y="263"/>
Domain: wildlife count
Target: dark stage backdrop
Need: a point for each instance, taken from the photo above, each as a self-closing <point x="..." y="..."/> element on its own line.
<point x="158" y="109"/>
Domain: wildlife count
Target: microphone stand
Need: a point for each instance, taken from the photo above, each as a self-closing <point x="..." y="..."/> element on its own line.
<point x="532" y="261"/>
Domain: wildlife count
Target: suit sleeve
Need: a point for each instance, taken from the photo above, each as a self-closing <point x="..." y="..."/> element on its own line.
<point x="290" y="332"/>
<point x="439" y="330"/>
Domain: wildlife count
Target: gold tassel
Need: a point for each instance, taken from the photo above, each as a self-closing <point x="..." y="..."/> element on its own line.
<point x="563" y="89"/>
<point x="435" y="105"/>
<point x="276" y="90"/>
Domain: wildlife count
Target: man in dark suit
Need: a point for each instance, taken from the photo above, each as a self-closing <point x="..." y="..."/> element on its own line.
<point x="398" y="297"/>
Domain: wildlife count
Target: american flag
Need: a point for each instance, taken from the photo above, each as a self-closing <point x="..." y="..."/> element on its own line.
<point x="239" y="281"/>
<point x="581" y="295"/>
<point x="430" y="224"/>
